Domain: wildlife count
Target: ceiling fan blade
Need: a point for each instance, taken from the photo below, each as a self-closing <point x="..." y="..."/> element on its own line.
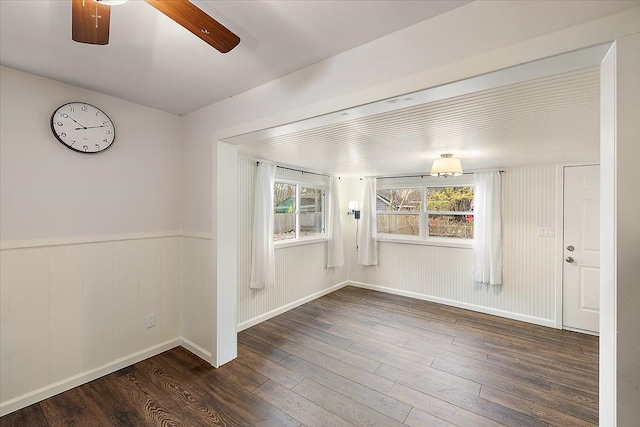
<point x="198" y="22"/>
<point x="90" y="22"/>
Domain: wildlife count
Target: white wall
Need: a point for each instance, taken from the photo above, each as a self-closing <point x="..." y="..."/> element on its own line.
<point x="147" y="181"/>
<point x="443" y="274"/>
<point x="627" y="234"/>
<point x="496" y="35"/>
<point x="301" y="272"/>
<point x="51" y="192"/>
<point x="196" y="295"/>
<point x="89" y="243"/>
<point x="620" y="235"/>
<point x="72" y="313"/>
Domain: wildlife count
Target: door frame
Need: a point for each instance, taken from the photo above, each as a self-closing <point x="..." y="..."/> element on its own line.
<point x="559" y="240"/>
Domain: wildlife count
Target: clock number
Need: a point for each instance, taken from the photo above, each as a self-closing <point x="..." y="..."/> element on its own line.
<point x="105" y="140"/>
<point x="63" y="135"/>
<point x="85" y="147"/>
<point x="59" y="123"/>
<point x="84" y="108"/>
<point x="104" y="123"/>
<point x="72" y="109"/>
<point x="64" y="115"/>
<point x="108" y="132"/>
<point x="98" y="147"/>
<point x="72" y="142"/>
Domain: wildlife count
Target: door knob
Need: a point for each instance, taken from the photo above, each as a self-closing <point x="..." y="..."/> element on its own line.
<point x="570" y="248"/>
<point x="569" y="259"/>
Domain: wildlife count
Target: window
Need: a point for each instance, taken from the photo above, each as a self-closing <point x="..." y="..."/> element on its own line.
<point x="426" y="212"/>
<point x="298" y="211"/>
<point x="450" y="212"/>
<point x="399" y="211"/>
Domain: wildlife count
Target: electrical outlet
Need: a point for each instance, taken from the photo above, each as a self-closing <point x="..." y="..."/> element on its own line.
<point x="151" y="320"/>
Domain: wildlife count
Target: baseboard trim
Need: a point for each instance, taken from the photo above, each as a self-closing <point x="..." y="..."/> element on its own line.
<point x="581" y="331"/>
<point x="473" y="307"/>
<point x="251" y="322"/>
<point x="197" y="350"/>
<point x="84" y="377"/>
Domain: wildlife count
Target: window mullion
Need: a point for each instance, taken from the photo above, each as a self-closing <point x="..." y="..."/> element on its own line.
<point x="324" y="210"/>
<point x="297" y="211"/>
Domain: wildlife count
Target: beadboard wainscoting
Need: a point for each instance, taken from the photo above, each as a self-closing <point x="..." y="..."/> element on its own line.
<point x="443" y="274"/>
<point x="301" y="273"/>
<point x="74" y="312"/>
<point x="196" y="294"/>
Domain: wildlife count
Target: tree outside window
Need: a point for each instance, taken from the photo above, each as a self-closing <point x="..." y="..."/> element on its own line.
<point x="445" y="211"/>
<point x="450" y="212"/>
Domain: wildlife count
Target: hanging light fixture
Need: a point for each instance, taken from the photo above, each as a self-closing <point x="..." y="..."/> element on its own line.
<point x="446" y="165"/>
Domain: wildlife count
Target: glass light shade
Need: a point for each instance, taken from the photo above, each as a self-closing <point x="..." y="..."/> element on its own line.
<point x="353" y="206"/>
<point x="446" y="165"/>
<point x="111" y="2"/>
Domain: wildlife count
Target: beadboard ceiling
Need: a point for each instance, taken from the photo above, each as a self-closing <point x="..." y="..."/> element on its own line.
<point x="551" y="119"/>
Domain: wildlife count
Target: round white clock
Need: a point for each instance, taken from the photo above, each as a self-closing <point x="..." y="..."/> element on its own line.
<point x="83" y="127"/>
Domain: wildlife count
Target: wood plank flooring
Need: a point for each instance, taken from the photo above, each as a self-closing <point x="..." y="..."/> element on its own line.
<point x="354" y="357"/>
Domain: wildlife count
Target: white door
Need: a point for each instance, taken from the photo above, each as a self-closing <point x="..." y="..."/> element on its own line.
<point x="581" y="271"/>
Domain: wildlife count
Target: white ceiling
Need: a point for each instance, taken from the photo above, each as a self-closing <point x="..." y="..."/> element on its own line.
<point x="543" y="112"/>
<point x="540" y="113"/>
<point x="152" y="61"/>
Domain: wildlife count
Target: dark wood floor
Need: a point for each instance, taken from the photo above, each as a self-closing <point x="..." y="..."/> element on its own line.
<point x="354" y="357"/>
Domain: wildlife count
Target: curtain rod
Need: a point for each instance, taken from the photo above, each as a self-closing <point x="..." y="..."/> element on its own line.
<point x="299" y="170"/>
<point x="419" y="175"/>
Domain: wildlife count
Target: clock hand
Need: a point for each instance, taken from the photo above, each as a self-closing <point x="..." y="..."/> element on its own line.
<point x="78" y="123"/>
<point x="90" y="127"/>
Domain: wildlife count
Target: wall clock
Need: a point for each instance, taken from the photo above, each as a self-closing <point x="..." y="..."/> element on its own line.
<point x="83" y="127"/>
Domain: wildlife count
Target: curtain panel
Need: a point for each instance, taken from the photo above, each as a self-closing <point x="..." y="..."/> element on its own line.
<point x="262" y="250"/>
<point x="335" y="247"/>
<point x="487" y="240"/>
<point x="367" y="244"/>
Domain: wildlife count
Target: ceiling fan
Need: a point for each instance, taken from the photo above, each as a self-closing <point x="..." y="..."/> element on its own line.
<point x="90" y="22"/>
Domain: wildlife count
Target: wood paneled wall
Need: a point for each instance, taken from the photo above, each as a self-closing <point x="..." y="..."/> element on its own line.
<point x="72" y="312"/>
<point x="301" y="272"/>
<point x="443" y="274"/>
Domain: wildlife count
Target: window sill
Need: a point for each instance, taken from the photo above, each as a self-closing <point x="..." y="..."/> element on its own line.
<point x="443" y="242"/>
<point x="289" y="243"/>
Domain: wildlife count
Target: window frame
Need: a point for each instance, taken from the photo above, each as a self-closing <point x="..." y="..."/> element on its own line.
<point x="297" y="240"/>
<point x="420" y="213"/>
<point x="423" y="237"/>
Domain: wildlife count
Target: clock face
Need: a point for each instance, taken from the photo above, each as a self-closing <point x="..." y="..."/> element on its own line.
<point x="83" y="127"/>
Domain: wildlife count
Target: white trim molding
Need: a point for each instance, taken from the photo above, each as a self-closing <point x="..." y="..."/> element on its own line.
<point x="63" y="241"/>
<point x="197" y="350"/>
<point x="474" y="307"/>
<point x="273" y="313"/>
<point x="84" y="377"/>
<point x="197" y="235"/>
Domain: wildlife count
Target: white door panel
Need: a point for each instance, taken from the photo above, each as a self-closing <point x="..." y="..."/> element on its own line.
<point x="581" y="271"/>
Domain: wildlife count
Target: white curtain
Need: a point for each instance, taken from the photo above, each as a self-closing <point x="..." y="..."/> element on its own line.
<point x="262" y="253"/>
<point x="335" y="249"/>
<point x="367" y="247"/>
<point x="487" y="236"/>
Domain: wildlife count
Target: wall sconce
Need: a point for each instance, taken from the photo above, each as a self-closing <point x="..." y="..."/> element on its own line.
<point x="446" y="165"/>
<point x="353" y="209"/>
